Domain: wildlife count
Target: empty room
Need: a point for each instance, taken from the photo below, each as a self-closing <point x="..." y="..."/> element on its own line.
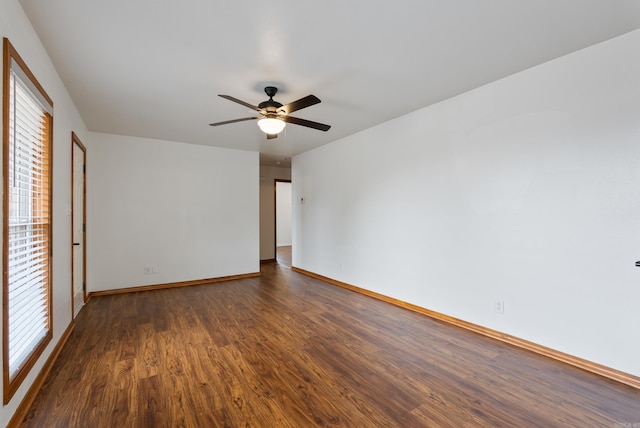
<point x="298" y="214"/>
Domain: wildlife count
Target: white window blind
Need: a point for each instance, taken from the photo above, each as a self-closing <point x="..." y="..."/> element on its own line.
<point x="27" y="240"/>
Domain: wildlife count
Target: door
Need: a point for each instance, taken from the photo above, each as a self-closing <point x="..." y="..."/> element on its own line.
<point x="78" y="225"/>
<point x="283" y="218"/>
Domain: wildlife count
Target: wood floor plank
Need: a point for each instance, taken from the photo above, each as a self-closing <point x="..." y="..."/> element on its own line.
<point x="286" y="350"/>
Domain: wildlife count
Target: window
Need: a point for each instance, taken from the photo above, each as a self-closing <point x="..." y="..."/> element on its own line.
<point x="27" y="123"/>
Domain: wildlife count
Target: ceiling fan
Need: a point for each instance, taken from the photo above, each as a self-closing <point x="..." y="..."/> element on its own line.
<point x="273" y="115"/>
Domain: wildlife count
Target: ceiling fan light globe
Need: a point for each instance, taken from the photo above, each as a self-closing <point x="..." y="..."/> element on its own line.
<point x="271" y="126"/>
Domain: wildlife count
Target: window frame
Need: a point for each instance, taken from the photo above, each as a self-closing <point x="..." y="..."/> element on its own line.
<point x="11" y="56"/>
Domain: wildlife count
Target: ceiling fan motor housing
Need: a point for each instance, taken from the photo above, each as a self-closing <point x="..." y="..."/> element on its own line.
<point x="270" y="107"/>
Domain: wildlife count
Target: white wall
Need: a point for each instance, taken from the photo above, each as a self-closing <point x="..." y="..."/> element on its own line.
<point x="15" y="26"/>
<point x="526" y="190"/>
<point x="189" y="212"/>
<point x="267" y="220"/>
<point x="283" y="214"/>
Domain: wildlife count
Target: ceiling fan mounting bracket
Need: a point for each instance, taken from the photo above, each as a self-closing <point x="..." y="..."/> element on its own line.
<point x="271" y="91"/>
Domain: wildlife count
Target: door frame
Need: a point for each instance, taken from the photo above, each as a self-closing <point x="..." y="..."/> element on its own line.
<point x="75" y="141"/>
<point x="275" y="215"/>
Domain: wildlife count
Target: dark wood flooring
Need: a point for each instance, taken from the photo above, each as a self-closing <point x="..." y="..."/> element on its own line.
<point x="285" y="350"/>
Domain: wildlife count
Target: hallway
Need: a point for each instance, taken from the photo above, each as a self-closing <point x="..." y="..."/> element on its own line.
<point x="283" y="256"/>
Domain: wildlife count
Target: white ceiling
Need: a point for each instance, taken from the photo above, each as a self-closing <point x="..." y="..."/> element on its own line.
<point x="153" y="69"/>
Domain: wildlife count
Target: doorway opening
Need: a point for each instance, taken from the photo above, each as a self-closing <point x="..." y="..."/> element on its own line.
<point x="282" y="224"/>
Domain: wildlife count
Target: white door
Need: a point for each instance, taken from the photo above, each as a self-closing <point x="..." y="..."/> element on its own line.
<point x="283" y="214"/>
<point x="78" y="225"/>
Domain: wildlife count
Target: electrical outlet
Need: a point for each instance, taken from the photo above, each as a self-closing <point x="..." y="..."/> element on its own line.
<point x="148" y="270"/>
<point x="499" y="307"/>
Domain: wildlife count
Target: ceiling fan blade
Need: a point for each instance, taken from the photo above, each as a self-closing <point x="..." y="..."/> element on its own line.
<point x="307" y="123"/>
<point x="271" y="136"/>
<point x="235" y="100"/>
<point x="305" y="102"/>
<point x="235" y="120"/>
